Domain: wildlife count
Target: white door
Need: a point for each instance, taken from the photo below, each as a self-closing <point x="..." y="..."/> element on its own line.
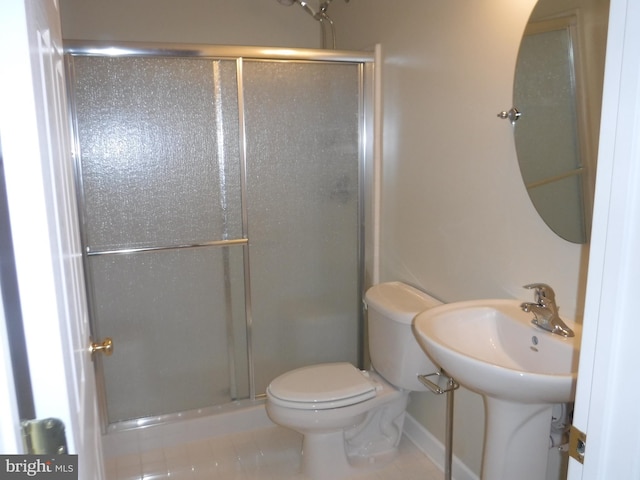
<point x="608" y="392"/>
<point x="34" y="131"/>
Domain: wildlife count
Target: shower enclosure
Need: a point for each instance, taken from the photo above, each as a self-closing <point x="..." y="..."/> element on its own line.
<point x="221" y="192"/>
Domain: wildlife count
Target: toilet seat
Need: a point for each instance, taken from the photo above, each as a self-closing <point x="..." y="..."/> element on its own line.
<point x="325" y="386"/>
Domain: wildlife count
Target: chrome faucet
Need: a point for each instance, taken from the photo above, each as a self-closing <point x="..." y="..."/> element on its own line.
<point x="545" y="310"/>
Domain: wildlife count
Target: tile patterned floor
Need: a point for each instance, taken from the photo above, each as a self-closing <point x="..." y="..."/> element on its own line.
<point x="271" y="453"/>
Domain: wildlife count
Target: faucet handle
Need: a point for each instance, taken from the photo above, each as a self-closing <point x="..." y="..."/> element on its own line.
<point x="543" y="292"/>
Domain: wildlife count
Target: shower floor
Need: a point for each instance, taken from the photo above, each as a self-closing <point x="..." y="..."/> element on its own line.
<point x="267" y="453"/>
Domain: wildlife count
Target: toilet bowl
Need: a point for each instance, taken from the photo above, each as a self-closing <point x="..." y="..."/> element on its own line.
<point x="352" y="419"/>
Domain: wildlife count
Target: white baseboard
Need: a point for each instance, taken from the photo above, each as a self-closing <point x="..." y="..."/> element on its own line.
<point x="434" y="449"/>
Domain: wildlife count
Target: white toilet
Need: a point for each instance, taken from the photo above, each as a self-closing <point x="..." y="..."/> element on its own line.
<point x="353" y="419"/>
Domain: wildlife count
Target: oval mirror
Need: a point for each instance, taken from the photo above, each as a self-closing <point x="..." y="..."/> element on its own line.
<point x="558" y="93"/>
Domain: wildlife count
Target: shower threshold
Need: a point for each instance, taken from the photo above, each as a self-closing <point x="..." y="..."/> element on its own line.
<point x="146" y="434"/>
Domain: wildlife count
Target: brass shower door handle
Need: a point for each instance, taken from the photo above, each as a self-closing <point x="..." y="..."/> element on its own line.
<point x="105" y="347"/>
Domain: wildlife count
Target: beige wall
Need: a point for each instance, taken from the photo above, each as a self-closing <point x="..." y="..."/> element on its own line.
<point x="456" y="219"/>
<point x="217" y="22"/>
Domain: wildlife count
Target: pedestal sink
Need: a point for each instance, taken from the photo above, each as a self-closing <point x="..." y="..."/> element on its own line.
<point x="492" y="348"/>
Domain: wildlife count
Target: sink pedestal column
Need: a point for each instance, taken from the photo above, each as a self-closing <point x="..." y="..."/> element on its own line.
<point x="516" y="440"/>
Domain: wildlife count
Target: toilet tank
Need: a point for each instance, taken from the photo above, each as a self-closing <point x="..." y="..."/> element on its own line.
<point x="395" y="352"/>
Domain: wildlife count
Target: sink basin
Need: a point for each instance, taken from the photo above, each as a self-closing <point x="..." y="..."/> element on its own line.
<point x="491" y="347"/>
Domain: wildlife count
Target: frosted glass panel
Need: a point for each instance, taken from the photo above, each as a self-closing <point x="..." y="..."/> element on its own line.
<point x="160" y="166"/>
<point x="159" y="148"/>
<point x="302" y="123"/>
<point x="167" y="313"/>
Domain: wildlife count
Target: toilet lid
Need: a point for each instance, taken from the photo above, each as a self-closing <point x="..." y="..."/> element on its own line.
<point x="328" y="385"/>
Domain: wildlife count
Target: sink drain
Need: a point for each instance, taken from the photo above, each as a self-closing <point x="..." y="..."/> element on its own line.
<point x="534" y="340"/>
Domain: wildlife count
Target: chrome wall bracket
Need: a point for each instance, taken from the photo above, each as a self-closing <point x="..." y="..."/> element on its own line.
<point x="512" y="115"/>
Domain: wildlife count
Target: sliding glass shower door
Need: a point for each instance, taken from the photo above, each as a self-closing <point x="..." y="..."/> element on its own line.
<point x="221" y="209"/>
<point x="303" y="176"/>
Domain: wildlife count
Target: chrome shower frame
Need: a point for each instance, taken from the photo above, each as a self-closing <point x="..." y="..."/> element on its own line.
<point x="367" y="190"/>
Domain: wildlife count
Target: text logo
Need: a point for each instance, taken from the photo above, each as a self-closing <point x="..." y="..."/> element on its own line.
<point x="39" y="467"/>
